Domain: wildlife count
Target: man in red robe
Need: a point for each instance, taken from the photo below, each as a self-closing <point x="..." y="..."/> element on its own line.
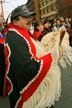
<point x="25" y="71"/>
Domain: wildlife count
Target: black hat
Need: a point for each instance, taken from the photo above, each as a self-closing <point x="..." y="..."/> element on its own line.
<point x="21" y="11"/>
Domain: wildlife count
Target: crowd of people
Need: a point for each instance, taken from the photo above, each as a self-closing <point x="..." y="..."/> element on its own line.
<point x="46" y="25"/>
<point x="42" y="27"/>
<point x="27" y="77"/>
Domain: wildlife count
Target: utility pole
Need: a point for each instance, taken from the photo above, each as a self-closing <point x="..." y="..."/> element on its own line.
<point x="37" y="9"/>
<point x="1" y="11"/>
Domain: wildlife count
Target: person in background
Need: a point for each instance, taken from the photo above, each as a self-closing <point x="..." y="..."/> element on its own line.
<point x="2" y="66"/>
<point x="69" y="30"/>
<point x="38" y="29"/>
<point x="54" y="28"/>
<point x="1" y="25"/>
<point x="1" y="35"/>
<point x="58" y="25"/>
<point x="2" y="58"/>
<point x="25" y="71"/>
<point x="6" y="27"/>
<point x="47" y="26"/>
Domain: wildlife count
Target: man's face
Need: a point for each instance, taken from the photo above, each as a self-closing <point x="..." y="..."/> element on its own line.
<point x="24" y="22"/>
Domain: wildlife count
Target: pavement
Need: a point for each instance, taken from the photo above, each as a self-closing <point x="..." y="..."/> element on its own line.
<point x="66" y="95"/>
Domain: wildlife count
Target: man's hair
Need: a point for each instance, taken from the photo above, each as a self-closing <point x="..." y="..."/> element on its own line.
<point x="16" y="18"/>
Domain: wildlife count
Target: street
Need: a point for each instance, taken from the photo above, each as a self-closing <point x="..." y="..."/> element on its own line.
<point x="66" y="97"/>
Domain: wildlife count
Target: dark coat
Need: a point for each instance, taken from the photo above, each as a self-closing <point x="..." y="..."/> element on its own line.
<point x="24" y="71"/>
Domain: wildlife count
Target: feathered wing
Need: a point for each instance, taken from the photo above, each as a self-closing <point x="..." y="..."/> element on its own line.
<point x="66" y="58"/>
<point x="50" y="89"/>
<point x="52" y="40"/>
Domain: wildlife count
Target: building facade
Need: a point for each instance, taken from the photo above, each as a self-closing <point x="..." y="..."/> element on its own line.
<point x="65" y="7"/>
<point x="51" y="8"/>
<point x="43" y="8"/>
<point x="48" y="8"/>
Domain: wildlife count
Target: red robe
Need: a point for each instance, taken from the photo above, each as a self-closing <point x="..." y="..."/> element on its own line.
<point x="24" y="70"/>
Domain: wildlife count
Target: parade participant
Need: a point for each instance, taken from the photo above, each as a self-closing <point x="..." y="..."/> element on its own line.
<point x="30" y="81"/>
